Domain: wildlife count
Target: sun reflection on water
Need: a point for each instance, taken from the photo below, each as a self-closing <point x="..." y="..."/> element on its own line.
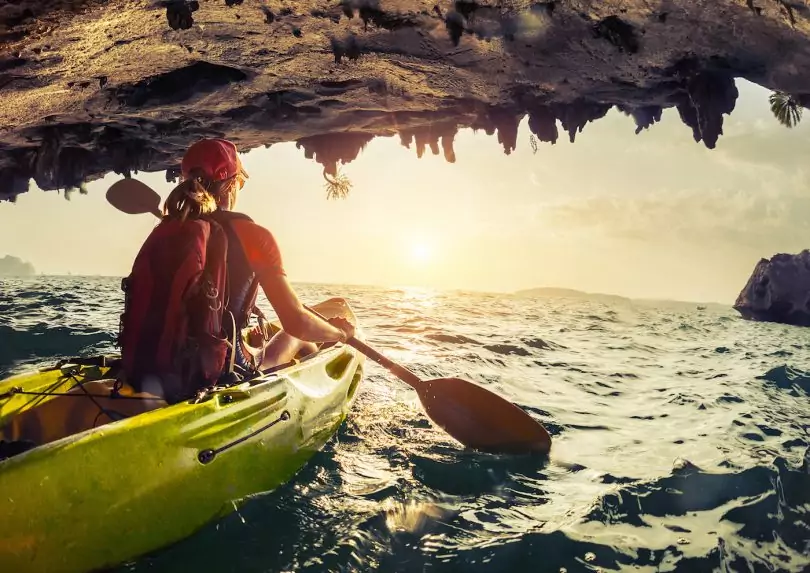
<point x="411" y="517"/>
<point x="416" y="297"/>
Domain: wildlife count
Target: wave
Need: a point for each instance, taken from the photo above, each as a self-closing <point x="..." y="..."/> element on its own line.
<point x="788" y="378"/>
<point x="451" y="338"/>
<point x="757" y="518"/>
<point x="43" y="341"/>
<point x="541" y="344"/>
<point x="507" y="349"/>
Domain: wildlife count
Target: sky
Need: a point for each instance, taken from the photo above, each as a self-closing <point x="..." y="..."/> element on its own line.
<point x="653" y="215"/>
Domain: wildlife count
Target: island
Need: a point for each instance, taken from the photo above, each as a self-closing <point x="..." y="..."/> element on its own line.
<point x="15" y="267"/>
<point x="555" y="292"/>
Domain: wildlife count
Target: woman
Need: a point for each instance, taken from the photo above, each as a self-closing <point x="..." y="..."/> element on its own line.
<point x="213" y="177"/>
<point x="196" y="279"/>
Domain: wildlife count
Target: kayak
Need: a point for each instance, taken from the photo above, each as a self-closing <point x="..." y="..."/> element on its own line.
<point x="108" y="475"/>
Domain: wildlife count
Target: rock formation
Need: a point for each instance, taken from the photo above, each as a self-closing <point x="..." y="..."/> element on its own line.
<point x="15" y="267"/>
<point x="95" y="86"/>
<point x="329" y="149"/>
<point x="708" y="95"/>
<point x="778" y="290"/>
<point x="429" y="135"/>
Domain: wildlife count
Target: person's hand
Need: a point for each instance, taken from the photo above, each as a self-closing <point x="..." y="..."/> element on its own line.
<point x="258" y="334"/>
<point x="343" y="325"/>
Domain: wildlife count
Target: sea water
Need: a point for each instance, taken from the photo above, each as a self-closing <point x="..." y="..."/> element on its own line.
<point x="680" y="438"/>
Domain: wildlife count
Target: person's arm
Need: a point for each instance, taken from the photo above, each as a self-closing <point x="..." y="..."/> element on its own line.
<point x="295" y="319"/>
<point x="264" y="258"/>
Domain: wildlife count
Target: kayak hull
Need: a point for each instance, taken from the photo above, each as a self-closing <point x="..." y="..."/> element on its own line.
<point x="110" y="494"/>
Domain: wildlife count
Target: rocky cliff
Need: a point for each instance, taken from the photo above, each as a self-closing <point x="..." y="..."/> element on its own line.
<point x="778" y="290"/>
<point x="15" y="267"/>
<point x="96" y="86"/>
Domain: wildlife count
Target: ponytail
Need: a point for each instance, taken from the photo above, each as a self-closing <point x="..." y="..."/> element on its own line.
<point x="195" y="197"/>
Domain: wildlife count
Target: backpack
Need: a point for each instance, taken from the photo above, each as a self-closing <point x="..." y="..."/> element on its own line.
<point x="171" y="334"/>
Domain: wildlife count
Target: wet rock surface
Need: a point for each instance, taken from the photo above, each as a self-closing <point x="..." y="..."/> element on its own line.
<point x="778" y="290"/>
<point x="91" y="87"/>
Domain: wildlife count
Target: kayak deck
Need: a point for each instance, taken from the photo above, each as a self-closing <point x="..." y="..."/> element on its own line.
<point x="157" y="476"/>
<point x="74" y="399"/>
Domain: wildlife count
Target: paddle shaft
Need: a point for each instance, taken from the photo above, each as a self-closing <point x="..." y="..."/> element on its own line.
<point x="396" y="369"/>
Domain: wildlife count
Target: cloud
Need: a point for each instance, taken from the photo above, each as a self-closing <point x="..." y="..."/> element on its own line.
<point x="767" y="215"/>
<point x="764" y="144"/>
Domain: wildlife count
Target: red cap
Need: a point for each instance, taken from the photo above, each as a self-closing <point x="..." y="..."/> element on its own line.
<point x="217" y="158"/>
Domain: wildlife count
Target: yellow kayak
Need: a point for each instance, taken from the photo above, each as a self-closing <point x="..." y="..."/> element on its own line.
<point x="104" y="479"/>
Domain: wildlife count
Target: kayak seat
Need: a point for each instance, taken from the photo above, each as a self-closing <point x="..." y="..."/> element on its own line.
<point x="76" y="412"/>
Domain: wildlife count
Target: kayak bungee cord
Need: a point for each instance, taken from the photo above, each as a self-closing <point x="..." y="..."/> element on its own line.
<point x="19" y="391"/>
<point x="208" y="455"/>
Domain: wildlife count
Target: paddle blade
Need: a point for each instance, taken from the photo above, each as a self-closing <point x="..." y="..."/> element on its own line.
<point x="133" y="197"/>
<point x="480" y="419"/>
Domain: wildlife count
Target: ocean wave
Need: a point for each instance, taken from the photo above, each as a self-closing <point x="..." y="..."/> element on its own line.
<point x="507" y="349"/>
<point x="541" y="344"/>
<point x="692" y="517"/>
<point x="44" y="341"/>
<point x="451" y="338"/>
<point x="788" y="378"/>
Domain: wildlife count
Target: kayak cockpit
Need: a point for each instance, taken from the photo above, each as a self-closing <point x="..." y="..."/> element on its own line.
<point x="79" y="395"/>
<point x="64" y="401"/>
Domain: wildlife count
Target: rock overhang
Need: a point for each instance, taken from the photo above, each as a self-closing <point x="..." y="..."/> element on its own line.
<point x="125" y="86"/>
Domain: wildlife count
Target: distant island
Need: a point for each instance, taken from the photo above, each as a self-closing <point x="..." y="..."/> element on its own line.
<point x="570" y="293"/>
<point x="555" y="292"/>
<point x="16" y="267"/>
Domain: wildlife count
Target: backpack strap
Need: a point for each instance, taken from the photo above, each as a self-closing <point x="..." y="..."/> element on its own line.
<point x="219" y="248"/>
<point x="215" y="274"/>
<point x="240" y="268"/>
<point x="209" y="304"/>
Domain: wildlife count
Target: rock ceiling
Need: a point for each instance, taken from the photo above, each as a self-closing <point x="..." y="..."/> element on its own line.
<point x="91" y="87"/>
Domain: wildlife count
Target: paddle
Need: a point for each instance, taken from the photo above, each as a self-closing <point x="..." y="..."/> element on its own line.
<point x="473" y="415"/>
<point x="133" y="197"/>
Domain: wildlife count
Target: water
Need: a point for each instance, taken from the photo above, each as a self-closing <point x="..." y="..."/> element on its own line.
<point x="680" y="439"/>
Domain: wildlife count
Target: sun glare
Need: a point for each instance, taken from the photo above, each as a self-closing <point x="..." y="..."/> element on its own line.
<point x="421" y="252"/>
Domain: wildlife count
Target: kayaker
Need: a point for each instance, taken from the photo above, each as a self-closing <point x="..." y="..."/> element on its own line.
<point x="212" y="178"/>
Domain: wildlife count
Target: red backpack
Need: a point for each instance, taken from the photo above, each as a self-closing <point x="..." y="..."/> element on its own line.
<point x="171" y="335"/>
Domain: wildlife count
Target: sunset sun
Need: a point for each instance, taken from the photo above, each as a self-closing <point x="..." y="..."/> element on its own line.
<point x="421" y="252"/>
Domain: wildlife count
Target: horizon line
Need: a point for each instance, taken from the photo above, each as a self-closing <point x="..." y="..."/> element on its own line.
<point x="445" y="289"/>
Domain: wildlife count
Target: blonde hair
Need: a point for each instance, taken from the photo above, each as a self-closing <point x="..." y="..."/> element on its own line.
<point x="197" y="196"/>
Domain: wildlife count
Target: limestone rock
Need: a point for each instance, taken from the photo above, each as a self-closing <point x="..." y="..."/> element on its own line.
<point x="89" y="87"/>
<point x="778" y="290"/>
<point x="15" y="267"/>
